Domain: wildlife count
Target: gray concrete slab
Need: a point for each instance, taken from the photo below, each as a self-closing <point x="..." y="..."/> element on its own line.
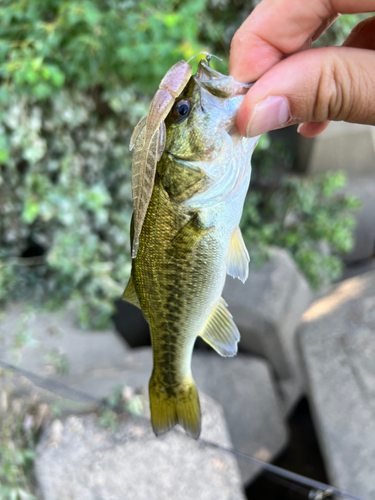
<point x="362" y="188"/>
<point x="267" y="310"/>
<point x="79" y="460"/>
<point x="349" y="147"/>
<point x="337" y="342"/>
<point x="42" y="342"/>
<point x="99" y="363"/>
<point x="243" y="385"/>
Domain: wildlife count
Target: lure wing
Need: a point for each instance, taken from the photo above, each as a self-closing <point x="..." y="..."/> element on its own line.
<point x="148" y="142"/>
<point x="143" y="170"/>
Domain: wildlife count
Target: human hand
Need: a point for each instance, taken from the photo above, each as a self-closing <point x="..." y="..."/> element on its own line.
<point x="311" y="86"/>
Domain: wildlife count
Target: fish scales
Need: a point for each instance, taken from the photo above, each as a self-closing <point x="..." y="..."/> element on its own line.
<point x="190" y="239"/>
<point x="169" y="285"/>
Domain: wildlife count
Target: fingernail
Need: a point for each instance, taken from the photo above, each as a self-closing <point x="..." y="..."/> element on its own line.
<point x="272" y="112"/>
<point x="299" y="127"/>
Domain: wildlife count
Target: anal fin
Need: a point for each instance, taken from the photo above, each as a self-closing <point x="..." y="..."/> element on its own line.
<point x="238" y="257"/>
<point x="130" y="295"/>
<point x="220" y="331"/>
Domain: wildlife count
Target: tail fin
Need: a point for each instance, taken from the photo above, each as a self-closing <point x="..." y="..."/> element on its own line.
<point x="175" y="405"/>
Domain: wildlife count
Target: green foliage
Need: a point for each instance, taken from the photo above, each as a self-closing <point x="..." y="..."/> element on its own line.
<point x="59" y="361"/>
<point x="17" y="453"/>
<point x="46" y="46"/>
<point x="108" y="420"/>
<point x="122" y="398"/>
<point x="340" y="30"/>
<point x="71" y="73"/>
<point x="73" y="83"/>
<point x="306" y="216"/>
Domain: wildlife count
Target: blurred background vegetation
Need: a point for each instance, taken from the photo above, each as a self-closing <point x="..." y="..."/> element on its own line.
<point x="75" y="78"/>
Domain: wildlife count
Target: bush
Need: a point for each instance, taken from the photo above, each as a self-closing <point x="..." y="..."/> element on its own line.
<point x="307" y="216"/>
<point x="74" y="80"/>
<point x="19" y="425"/>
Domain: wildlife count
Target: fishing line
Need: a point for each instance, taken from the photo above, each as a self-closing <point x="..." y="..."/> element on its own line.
<point x="205" y="53"/>
<point x="321" y="488"/>
<point x="304" y="491"/>
<point x="318" y="490"/>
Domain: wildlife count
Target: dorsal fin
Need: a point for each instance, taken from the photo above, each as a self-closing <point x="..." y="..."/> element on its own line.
<point x="220" y="331"/>
<point x="130" y="295"/>
<point x="238" y="257"/>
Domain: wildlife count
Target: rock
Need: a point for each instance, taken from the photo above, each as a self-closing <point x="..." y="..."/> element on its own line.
<point x="364" y="189"/>
<point x="342" y="146"/>
<point x="78" y="460"/>
<point x="135" y="371"/>
<point x="242" y="385"/>
<point x="252" y="407"/>
<point x="291" y="392"/>
<point x="359" y="268"/>
<point x="337" y="342"/>
<point x="51" y="343"/>
<point x="267" y="310"/>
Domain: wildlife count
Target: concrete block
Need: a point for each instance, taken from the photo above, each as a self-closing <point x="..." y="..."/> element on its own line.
<point x="37" y="341"/>
<point x="363" y="188"/>
<point x="242" y="385"/>
<point x="253" y="410"/>
<point x="337" y="342"/>
<point x="79" y="460"/>
<point x="342" y="146"/>
<point x="267" y="310"/>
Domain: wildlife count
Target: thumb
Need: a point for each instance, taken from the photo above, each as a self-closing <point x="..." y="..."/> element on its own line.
<point x="336" y="83"/>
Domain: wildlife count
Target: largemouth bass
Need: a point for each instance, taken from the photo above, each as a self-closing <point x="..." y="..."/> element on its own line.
<point x="190" y="175"/>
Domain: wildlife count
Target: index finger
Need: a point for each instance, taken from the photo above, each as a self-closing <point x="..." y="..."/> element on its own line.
<point x="277" y="28"/>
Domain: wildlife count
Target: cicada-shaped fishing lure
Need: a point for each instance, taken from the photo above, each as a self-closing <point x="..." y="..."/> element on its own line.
<point x="148" y="142"/>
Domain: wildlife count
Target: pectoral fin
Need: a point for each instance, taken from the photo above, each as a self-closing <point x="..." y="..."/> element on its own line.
<point x="238" y="257"/>
<point x="220" y="331"/>
<point x="188" y="236"/>
<point x="130" y="295"/>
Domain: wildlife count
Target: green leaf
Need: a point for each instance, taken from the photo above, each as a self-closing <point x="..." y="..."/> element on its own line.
<point x="42" y="90"/>
<point x="30" y="211"/>
<point x="4" y="155"/>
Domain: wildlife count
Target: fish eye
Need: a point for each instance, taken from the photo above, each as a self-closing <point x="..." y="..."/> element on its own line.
<point x="181" y="110"/>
